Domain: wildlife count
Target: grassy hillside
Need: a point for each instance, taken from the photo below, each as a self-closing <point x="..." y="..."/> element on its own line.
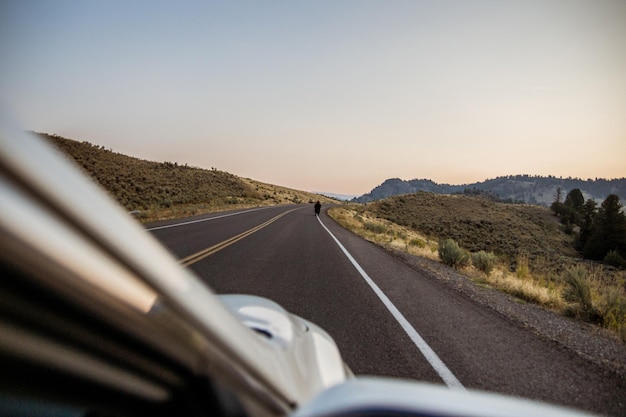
<point x="159" y="190"/>
<point x="480" y="224"/>
<point x="519" y="249"/>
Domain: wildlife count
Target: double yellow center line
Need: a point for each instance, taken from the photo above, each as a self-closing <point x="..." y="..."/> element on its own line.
<point x="192" y="259"/>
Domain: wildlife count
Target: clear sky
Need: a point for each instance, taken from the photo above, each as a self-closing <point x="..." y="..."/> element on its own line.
<point x="333" y="96"/>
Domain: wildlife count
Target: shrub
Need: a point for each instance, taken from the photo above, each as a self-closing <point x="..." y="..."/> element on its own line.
<point x="614" y="311"/>
<point x="613" y="258"/>
<point x="452" y="254"/>
<point x="578" y="290"/>
<point x="484" y="261"/>
<point x="417" y="242"/>
<point x="522" y="269"/>
<point x="375" y="227"/>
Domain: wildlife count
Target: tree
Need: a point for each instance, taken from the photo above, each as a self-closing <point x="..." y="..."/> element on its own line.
<point x="557" y="206"/>
<point x="586" y="227"/>
<point x="575" y="199"/>
<point x="608" y="230"/>
<point x="572" y="207"/>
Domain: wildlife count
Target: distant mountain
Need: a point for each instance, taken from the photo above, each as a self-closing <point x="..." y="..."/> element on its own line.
<point x="341" y="197"/>
<point x="527" y="189"/>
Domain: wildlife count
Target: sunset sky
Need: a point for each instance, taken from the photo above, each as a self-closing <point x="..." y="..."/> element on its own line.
<point x="332" y="96"/>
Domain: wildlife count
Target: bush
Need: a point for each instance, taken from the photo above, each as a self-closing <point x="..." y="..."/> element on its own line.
<point x="613" y="258"/>
<point x="452" y="254"/>
<point x="417" y="242"/>
<point x="484" y="261"/>
<point x="614" y="311"/>
<point x="375" y="227"/>
<point x="578" y="290"/>
<point x="522" y="269"/>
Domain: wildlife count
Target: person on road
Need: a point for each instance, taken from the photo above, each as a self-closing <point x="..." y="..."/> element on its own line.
<point x="318" y="207"/>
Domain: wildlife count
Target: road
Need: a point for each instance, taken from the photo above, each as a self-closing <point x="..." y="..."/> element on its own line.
<point x="402" y="324"/>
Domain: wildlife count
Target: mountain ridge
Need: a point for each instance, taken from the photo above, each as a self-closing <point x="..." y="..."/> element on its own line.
<point x="536" y="190"/>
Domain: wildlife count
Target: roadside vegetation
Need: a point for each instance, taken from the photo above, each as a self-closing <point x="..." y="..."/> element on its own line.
<point x="522" y="250"/>
<point x="163" y="190"/>
<point x="599" y="232"/>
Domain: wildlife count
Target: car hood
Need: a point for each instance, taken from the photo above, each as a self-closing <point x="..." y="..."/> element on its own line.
<point x="312" y="353"/>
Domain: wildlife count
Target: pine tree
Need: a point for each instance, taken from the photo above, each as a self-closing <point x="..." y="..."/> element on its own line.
<point x="575" y="199"/>
<point x="608" y="230"/>
<point x="572" y="207"/>
<point x="586" y="227"/>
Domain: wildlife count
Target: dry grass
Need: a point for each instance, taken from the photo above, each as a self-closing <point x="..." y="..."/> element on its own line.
<point x="528" y="288"/>
<point x="597" y="295"/>
<point x="275" y="194"/>
<point x="384" y="232"/>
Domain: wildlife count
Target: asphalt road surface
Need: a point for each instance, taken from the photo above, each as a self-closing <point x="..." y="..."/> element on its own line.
<point x="387" y="318"/>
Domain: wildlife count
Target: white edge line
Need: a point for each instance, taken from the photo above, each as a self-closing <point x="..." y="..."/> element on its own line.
<point x="448" y="377"/>
<point x="167" y="226"/>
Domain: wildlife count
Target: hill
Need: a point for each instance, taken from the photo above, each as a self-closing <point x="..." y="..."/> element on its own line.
<point x="481" y="224"/>
<point x="527" y="189"/>
<point x="159" y="190"/>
